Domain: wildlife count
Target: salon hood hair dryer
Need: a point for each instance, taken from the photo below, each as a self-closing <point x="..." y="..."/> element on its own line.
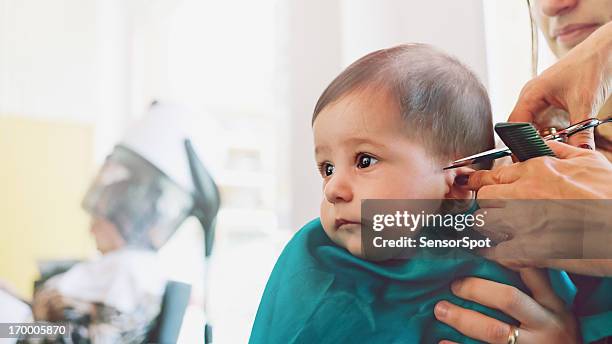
<point x="152" y="181"/>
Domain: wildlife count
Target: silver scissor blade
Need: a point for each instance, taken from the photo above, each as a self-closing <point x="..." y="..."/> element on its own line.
<point x="482" y="156"/>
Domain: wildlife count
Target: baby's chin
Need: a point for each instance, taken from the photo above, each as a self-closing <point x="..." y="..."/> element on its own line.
<point x="348" y="239"/>
<point x="353" y="245"/>
<point x="355" y="249"/>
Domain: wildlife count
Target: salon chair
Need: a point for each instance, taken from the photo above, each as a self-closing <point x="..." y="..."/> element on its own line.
<point x="168" y="324"/>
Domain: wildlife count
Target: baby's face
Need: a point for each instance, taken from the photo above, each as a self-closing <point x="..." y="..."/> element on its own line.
<point x="363" y="153"/>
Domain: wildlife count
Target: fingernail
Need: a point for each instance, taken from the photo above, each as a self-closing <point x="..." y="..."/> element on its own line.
<point x="441" y="309"/>
<point x="455" y="286"/>
<point x="586" y="146"/>
<point x="462" y="179"/>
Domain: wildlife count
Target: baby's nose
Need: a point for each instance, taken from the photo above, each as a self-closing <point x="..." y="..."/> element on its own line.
<point x="338" y="189"/>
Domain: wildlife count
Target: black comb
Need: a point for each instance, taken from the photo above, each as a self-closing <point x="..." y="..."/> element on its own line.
<point x="523" y="140"/>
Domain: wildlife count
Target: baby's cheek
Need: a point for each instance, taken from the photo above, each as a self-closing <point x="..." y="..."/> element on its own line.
<point x="389" y="188"/>
<point x="353" y="244"/>
<point x="325" y="212"/>
<point x="327" y="218"/>
<point x="438" y="187"/>
<point x="421" y="187"/>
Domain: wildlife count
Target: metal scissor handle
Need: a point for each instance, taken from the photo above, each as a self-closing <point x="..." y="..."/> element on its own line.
<point x="574" y="128"/>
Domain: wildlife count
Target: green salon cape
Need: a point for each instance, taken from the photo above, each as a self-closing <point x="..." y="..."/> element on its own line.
<point x="592" y="304"/>
<point x="319" y="293"/>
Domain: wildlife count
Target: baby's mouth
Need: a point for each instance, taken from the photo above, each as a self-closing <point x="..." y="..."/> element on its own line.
<point x="345" y="224"/>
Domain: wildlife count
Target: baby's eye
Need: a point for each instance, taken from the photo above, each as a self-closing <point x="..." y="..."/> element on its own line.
<point x="326" y="169"/>
<point x="365" y="161"/>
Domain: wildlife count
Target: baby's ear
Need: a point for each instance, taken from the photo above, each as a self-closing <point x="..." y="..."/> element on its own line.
<point x="456" y="180"/>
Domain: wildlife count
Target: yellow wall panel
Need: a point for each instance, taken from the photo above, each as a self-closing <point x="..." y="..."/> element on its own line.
<point x="45" y="168"/>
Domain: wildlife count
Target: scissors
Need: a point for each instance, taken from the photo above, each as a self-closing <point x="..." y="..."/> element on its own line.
<point x="557" y="135"/>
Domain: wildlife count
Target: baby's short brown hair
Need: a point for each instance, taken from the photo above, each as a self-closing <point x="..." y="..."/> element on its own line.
<point x="442" y="102"/>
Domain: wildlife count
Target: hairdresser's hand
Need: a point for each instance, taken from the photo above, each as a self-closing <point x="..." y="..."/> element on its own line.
<point x="579" y="83"/>
<point x="575" y="174"/>
<point x="578" y="174"/>
<point x="571" y="235"/>
<point x="543" y="318"/>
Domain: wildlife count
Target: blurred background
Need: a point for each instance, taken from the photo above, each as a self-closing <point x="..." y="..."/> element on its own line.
<point x="74" y="74"/>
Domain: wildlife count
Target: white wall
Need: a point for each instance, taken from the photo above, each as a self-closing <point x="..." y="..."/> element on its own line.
<point x="113" y="64"/>
<point x="508" y="46"/>
<point x="453" y="26"/>
<point x="48" y="58"/>
<point x="212" y="54"/>
<point x="313" y="56"/>
<point x="66" y="60"/>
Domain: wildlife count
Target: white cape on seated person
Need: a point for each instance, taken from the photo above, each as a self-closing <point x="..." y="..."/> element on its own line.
<point x="123" y="279"/>
<point x="126" y="286"/>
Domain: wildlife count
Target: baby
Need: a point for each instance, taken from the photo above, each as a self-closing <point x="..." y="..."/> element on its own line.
<point x="383" y="129"/>
<point x="386" y="127"/>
